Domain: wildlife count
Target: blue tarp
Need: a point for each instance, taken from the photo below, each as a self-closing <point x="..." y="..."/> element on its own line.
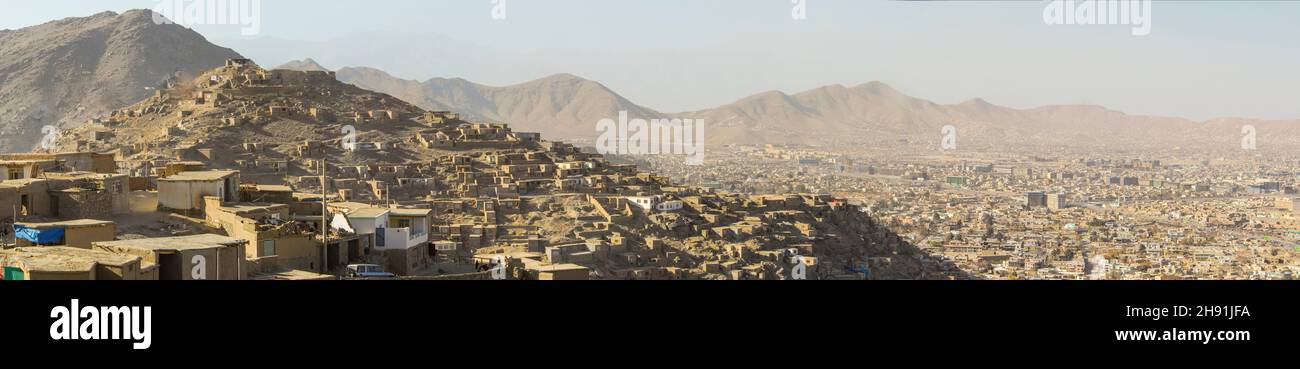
<point x="39" y="236"/>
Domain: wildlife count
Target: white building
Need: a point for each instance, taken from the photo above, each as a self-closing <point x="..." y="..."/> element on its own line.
<point x="185" y="190"/>
<point x="655" y="203"/>
<point x="390" y="235"/>
<point x="400" y="235"/>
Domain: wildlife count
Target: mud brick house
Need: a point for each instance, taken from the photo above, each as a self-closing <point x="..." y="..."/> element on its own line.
<point x="184" y="191"/>
<point x="70" y="263"/>
<point x="197" y="257"/>
<point x="73" y="233"/>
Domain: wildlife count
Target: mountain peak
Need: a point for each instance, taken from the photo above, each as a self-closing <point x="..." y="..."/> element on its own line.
<point x="563" y="77"/>
<point x="135" y="15"/>
<point x="303" y="65"/>
<point x="142" y="55"/>
<point x="879" y="88"/>
<point x="766" y="95"/>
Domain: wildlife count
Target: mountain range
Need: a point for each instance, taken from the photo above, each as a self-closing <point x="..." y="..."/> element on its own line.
<point x="561" y="106"/>
<point x="60" y="73"/>
<point x="303" y="65"/>
<point x="567" y="107"/>
<point x="63" y="72"/>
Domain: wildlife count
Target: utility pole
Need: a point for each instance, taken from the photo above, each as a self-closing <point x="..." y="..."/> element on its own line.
<point x="324" y="221"/>
<point x="13" y="224"/>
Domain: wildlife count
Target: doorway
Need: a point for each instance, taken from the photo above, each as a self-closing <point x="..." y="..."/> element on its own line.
<point x="169" y="267"/>
<point x="332" y="259"/>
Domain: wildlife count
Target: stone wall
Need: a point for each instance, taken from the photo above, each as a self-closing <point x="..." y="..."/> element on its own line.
<point x="85" y="205"/>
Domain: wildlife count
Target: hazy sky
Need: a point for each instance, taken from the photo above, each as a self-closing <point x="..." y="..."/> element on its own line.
<point x="1202" y="59"/>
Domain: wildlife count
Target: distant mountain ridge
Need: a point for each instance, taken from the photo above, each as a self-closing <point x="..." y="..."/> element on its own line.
<point x="60" y="73"/>
<point x="567" y="106"/>
<point x="561" y="105"/>
<point x="305" y="65"/>
<point x="44" y="69"/>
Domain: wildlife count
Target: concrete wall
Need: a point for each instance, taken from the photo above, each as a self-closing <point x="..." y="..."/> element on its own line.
<point x="368" y="225"/>
<point x="126" y="272"/>
<point x="83" y="237"/>
<point x="119" y="192"/>
<point x="564" y="275"/>
<point x="293" y="252"/>
<point x="228" y="267"/>
<point x="408" y="261"/>
<point x="59" y="276"/>
<point x="187" y="195"/>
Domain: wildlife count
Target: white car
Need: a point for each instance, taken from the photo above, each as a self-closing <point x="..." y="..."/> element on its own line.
<point x="368" y="271"/>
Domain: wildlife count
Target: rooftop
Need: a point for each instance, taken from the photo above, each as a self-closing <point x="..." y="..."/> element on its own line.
<point x="64" y="259"/>
<point x="78" y="175"/>
<point x="558" y="267"/>
<point x="18" y="183"/>
<point x="206" y="175"/>
<point x="291" y="275"/>
<point x="194" y="242"/>
<point x="274" y="188"/>
<point x="367" y="213"/>
<point x="410" y="212"/>
<point x="26" y="161"/>
<point x="79" y="223"/>
<point x="249" y="207"/>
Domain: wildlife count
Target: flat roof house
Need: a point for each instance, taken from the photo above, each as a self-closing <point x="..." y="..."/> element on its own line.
<point x="15" y="169"/>
<point x="560" y="272"/>
<point x="74" y="233"/>
<point x="184" y="191"/>
<point x="197" y="257"/>
<point x="408" y="239"/>
<point x="69" y="263"/>
<point x="270" y="231"/>
<point x="400" y="235"/>
<point x="75" y="195"/>
<point x="26" y="197"/>
<point x="31" y="165"/>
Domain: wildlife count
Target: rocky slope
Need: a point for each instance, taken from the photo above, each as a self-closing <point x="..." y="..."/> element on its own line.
<point x="61" y="73"/>
<point x="274" y="127"/>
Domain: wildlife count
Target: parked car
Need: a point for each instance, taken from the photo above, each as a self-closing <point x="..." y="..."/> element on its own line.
<point x="368" y="271"/>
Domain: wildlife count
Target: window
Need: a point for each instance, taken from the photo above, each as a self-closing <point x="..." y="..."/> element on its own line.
<point x="15" y="173"/>
<point x="268" y="248"/>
